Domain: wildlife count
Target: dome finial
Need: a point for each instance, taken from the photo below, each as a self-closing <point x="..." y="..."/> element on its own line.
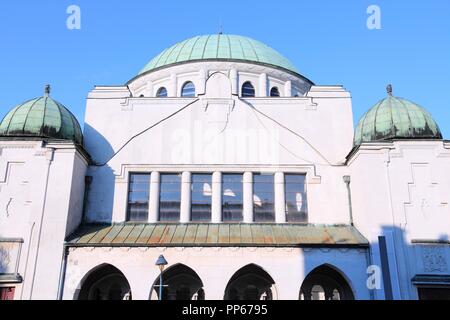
<point x="220" y="27"/>
<point x="389" y="89"/>
<point x="47" y="90"/>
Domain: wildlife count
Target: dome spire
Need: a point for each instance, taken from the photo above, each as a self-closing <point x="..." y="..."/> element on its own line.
<point x="47" y="90"/>
<point x="389" y="90"/>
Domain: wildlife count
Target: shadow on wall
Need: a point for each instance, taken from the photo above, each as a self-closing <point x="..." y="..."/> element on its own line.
<point x="100" y="194"/>
<point x="409" y="270"/>
<point x="393" y="270"/>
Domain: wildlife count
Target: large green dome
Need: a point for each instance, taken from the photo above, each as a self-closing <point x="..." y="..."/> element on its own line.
<point x="220" y="47"/>
<point x="396" y="118"/>
<point x="41" y="117"/>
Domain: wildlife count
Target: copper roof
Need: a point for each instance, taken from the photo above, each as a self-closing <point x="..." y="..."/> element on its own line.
<point x="215" y="235"/>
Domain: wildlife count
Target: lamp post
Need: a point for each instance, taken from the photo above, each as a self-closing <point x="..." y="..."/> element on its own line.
<point x="161" y="263"/>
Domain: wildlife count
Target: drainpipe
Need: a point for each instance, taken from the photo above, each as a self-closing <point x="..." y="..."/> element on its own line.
<point x="62" y="277"/>
<point x="87" y="188"/>
<point x="49" y="158"/>
<point x="349" y="195"/>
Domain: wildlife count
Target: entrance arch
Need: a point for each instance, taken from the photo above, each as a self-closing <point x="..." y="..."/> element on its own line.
<point x="250" y="283"/>
<point x="179" y="283"/>
<point x="105" y="282"/>
<point x="325" y="283"/>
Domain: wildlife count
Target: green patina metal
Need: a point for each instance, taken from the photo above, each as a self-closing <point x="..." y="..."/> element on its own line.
<point x="219" y="47"/>
<point x="396" y="118"/>
<point x="211" y="234"/>
<point x="41" y="117"/>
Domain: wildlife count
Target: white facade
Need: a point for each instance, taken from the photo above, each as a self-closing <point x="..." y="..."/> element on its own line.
<point x="398" y="189"/>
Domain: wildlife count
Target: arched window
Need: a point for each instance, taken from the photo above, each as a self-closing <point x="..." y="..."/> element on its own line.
<point x="161" y="93"/>
<point x="274" y="92"/>
<point x="248" y="90"/>
<point x="179" y="283"/>
<point x="188" y="90"/>
<point x="250" y="283"/>
<point x="105" y="283"/>
<point x="325" y="283"/>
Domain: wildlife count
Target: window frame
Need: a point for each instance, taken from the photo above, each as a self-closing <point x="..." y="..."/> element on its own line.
<point x="183" y="87"/>
<point x="253" y="88"/>
<point x="158" y="92"/>
<point x="192" y="191"/>
<point x="305" y="195"/>
<point x="241" y="174"/>
<point x="128" y="212"/>
<point x="179" y="174"/>
<point x="277" y="90"/>
<point x="273" y="194"/>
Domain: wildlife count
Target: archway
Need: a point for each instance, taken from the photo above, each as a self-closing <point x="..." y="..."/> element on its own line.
<point x="250" y="283"/>
<point x="325" y="283"/>
<point x="106" y="282"/>
<point x="180" y="283"/>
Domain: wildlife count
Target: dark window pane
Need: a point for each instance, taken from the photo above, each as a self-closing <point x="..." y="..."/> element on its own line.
<point x="248" y="90"/>
<point x="170" y="197"/>
<point x="201" y="192"/>
<point x="295" y="193"/>
<point x="138" y="196"/>
<point x="274" y="92"/>
<point x="263" y="197"/>
<point x="188" y="90"/>
<point x="232" y="197"/>
<point x="162" y="92"/>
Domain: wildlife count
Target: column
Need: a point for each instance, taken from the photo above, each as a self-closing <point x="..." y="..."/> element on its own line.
<point x="288" y="89"/>
<point x="248" y="197"/>
<point x="185" y="209"/>
<point x="280" y="214"/>
<point x="153" y="207"/>
<point x="172" y="89"/>
<point x="202" y="74"/>
<point x="263" y="85"/>
<point x="234" y="81"/>
<point x="216" y="199"/>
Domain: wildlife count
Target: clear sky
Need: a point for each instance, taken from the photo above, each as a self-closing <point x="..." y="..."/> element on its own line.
<point x="327" y="40"/>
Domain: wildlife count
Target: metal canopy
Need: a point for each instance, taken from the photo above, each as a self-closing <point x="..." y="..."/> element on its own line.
<point x="216" y="235"/>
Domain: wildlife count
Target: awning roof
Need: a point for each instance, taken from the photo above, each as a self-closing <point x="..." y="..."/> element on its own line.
<point x="215" y="235"/>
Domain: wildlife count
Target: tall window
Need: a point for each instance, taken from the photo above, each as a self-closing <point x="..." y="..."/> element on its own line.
<point x="201" y="192"/>
<point x="170" y="197"/>
<point x="188" y="90"/>
<point x="232" y="197"/>
<point x="138" y="196"/>
<point x="274" y="92"/>
<point x="161" y="93"/>
<point x="295" y="193"/>
<point x="263" y="197"/>
<point x="248" y="90"/>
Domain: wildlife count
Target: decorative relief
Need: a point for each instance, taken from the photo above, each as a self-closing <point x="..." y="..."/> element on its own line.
<point x="424" y="196"/>
<point x="8" y="205"/>
<point x="434" y="259"/>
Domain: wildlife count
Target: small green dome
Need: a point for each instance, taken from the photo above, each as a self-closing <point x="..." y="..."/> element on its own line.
<point x="396" y="118"/>
<point x="41" y="117"/>
<point x="220" y="47"/>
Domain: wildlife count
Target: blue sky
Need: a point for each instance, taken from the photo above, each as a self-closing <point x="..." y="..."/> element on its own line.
<point x="327" y="40"/>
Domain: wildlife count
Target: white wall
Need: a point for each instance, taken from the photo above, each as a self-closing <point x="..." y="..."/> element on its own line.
<point x="401" y="190"/>
<point x="215" y="266"/>
<point x="39" y="190"/>
<point x="219" y="134"/>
